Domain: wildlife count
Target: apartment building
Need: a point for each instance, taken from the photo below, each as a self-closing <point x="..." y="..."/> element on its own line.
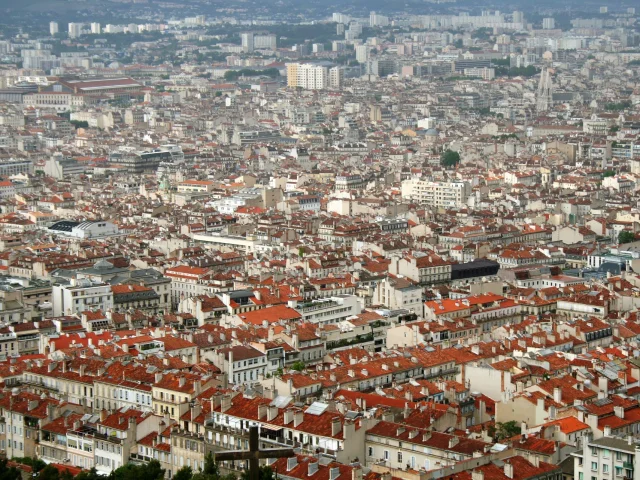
<point x="172" y="393"/>
<point x="313" y="428"/>
<point x="242" y="364"/>
<point x="607" y="457"/>
<point x="81" y="295"/>
<point x="399" y="446"/>
<point x="307" y="76"/>
<point x="329" y="310"/>
<point x="436" y="194"/>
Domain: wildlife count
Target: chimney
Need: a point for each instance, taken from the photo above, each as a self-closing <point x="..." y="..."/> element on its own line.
<point x="348" y="430"/>
<point x="336" y="426"/>
<point x="103" y="415"/>
<point x="356" y="473"/>
<point x="181" y="381"/>
<point x="272" y="412"/>
<point x="158" y="377"/>
<point x="288" y="416"/>
<point x="557" y="395"/>
<point x="618" y="411"/>
<point x="298" y="418"/>
<point x="262" y="411"/>
<point x="225" y="404"/>
<point x="334" y="473"/>
<point x="453" y="441"/>
<point x="196" y="410"/>
<point x="291" y="463"/>
<point x="33" y="404"/>
<point x="477" y="475"/>
<point x="312" y="468"/>
<point x="603" y="385"/>
<point x="508" y="470"/>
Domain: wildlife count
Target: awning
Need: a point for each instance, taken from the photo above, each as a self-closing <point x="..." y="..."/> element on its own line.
<point x="270" y="427"/>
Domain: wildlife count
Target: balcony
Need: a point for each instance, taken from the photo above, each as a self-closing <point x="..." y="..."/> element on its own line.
<point x="443" y="372"/>
<point x="628" y="465"/>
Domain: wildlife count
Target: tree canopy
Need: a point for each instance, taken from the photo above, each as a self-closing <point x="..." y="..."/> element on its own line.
<point x="505" y="430"/>
<point x="625" y="236"/>
<point x="450" y="159"/>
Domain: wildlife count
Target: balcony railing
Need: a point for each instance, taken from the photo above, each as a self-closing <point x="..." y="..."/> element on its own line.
<point x="441" y="372"/>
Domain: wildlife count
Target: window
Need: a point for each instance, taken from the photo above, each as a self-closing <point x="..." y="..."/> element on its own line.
<point x="594" y="466"/>
<point x="606" y="453"/>
<point x="605" y="468"/>
<point x="386" y="454"/>
<point x="399" y="457"/>
<point x="371" y="451"/>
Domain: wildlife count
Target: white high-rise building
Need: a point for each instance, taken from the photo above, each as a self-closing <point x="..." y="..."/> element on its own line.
<point x="518" y="17"/>
<point x="377" y="20"/>
<point x="436" y="194"/>
<point x="307" y="76"/>
<point x="265" y="42"/>
<point x="341" y="18"/>
<point x="247" y="42"/>
<point x="75" y="30"/>
<point x="95" y="28"/>
<point x="548" y="23"/>
<point x="53" y="28"/>
<point x="362" y="53"/>
<point x="336" y="77"/>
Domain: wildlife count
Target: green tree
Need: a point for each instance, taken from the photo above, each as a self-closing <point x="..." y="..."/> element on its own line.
<point x="185" y="473"/>
<point x="89" y="475"/>
<point x="210" y="465"/>
<point x="148" y="471"/>
<point x="8" y="473"/>
<point x="34" y="463"/>
<point x="66" y="475"/>
<point x="49" y="473"/>
<point x="449" y="159"/>
<point x="80" y="123"/>
<point x="506" y="430"/>
<point x="266" y="473"/>
<point x="298" y="366"/>
<point x="625" y="236"/>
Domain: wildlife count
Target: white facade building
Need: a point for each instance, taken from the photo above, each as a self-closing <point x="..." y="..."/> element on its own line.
<point x="75" y="30"/>
<point x="437" y="194"/>
<point x="80" y="296"/>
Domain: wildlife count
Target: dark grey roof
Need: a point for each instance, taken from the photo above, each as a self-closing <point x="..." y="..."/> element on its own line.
<point x="64" y="226"/>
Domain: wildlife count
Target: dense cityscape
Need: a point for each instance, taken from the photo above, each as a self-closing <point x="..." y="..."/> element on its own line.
<point x="288" y="241"/>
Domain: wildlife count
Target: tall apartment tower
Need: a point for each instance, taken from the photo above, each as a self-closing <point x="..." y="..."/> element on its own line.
<point x="75" y="30"/>
<point x="548" y="23"/>
<point x="336" y="77"/>
<point x="53" y="28"/>
<point x="247" y="42"/>
<point x="307" y="76"/>
<point x="95" y="28"/>
<point x="362" y="53"/>
<point x="544" y="99"/>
